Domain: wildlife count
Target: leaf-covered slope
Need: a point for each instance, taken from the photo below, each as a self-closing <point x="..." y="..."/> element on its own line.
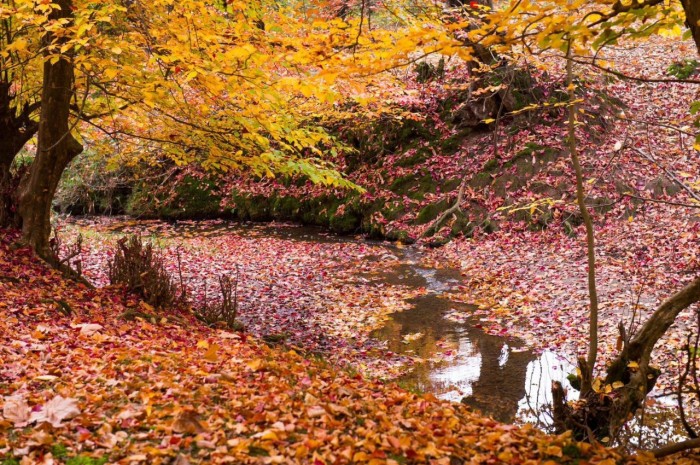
<point x="91" y="386"/>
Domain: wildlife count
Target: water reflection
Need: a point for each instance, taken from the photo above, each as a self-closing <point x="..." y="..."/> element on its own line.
<point x="495" y="375"/>
<point x="498" y="376"/>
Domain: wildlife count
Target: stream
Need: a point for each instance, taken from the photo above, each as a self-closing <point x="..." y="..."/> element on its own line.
<point x="499" y="376"/>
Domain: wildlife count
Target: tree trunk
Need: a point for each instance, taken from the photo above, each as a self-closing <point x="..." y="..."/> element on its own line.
<point x="16" y="128"/>
<point x="640" y="379"/>
<point x="55" y="149"/>
<point x="692" y="16"/>
<point x="602" y="415"/>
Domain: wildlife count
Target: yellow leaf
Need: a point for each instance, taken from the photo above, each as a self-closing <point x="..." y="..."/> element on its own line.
<point x="269" y="435"/>
<point x="633" y="365"/>
<point x="211" y="355"/>
<point x="618" y="384"/>
<point x="255" y="365"/>
<point x="116" y="50"/>
<point x="203" y="344"/>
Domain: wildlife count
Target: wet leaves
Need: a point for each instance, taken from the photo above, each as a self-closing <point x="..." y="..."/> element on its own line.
<point x="145" y="392"/>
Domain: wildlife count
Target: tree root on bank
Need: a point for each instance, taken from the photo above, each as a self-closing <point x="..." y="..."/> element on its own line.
<point x="450" y="211"/>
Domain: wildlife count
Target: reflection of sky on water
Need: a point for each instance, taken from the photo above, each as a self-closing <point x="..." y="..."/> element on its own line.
<point x="455" y="380"/>
<point x="496" y="375"/>
<point x="541" y="373"/>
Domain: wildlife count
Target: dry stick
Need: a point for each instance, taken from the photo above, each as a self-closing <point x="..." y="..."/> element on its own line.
<point x="454" y="208"/>
<point x="676" y="447"/>
<point x="667" y="202"/>
<point x="670" y="174"/>
<point x="590" y="238"/>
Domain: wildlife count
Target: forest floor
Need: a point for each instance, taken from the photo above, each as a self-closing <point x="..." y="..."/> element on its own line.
<point x="82" y="385"/>
<point x="532" y="284"/>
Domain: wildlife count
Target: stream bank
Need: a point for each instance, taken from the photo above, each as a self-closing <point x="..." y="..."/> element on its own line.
<point x="374" y="307"/>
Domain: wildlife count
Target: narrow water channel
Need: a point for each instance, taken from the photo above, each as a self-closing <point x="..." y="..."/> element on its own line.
<point x="457" y="360"/>
<point x="499" y="376"/>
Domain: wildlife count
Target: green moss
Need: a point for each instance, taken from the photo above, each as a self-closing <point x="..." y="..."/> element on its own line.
<point x="285" y="208"/>
<point x="417" y="158"/>
<point x="489" y="226"/>
<point x="345" y="223"/>
<point x="569" y="229"/>
<point x="491" y="165"/>
<point x="413" y="186"/>
<point x="402" y="184"/>
<point x="462" y="225"/>
<point x="431" y="212"/>
<point x="454" y="142"/>
<point x="59" y="451"/>
<point x="193" y="198"/>
<point x="451" y="184"/>
<point x="399" y="235"/>
<point x="438" y="241"/>
<point x="85" y="460"/>
<point x="425" y="184"/>
<point x="480" y="180"/>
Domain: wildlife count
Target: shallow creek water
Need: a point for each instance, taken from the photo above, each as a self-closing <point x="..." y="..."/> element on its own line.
<point x="499" y="376"/>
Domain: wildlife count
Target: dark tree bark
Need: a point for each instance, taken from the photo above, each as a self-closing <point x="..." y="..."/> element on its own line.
<point x="16" y="128"/>
<point x="55" y="149"/>
<point x="602" y="415"/>
<point x="692" y="15"/>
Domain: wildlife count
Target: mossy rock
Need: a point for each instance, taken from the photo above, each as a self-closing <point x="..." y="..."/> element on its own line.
<point x="663" y="185"/>
<point x="601" y="204"/>
<point x="480" y="180"/>
<point x="403" y="184"/>
<point x="451" y="184"/>
<point x="413" y="186"/>
<point x="569" y="228"/>
<point x="393" y="211"/>
<point x="431" y="212"/>
<point x="285" y="208"/>
<point x="491" y="165"/>
<point x="462" y="225"/>
<point x="196" y="198"/>
<point x="193" y="198"/>
<point x="400" y="235"/>
<point x="489" y="226"/>
<point x="438" y="241"/>
<point x="348" y="222"/>
<point x="455" y="141"/>
<point x="421" y="155"/>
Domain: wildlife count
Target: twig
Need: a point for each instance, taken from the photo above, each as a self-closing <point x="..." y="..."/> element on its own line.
<point x="667" y="202"/>
<point x="676" y="447"/>
<point x="673" y="177"/>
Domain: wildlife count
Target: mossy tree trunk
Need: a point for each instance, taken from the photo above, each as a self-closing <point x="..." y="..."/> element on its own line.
<point x="56" y="145"/>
